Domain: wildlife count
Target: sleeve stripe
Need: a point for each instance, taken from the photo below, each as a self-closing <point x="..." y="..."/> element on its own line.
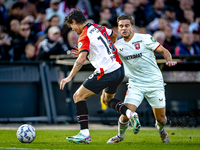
<point x="157" y="48"/>
<point x="84" y="51"/>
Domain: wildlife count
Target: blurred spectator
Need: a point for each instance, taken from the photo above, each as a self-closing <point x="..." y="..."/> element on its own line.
<point x="4" y="44"/>
<point x="105" y="23"/>
<point x="8" y="3"/>
<point x="170" y="39"/>
<point x="53" y="10"/>
<point x="41" y="19"/>
<point x="183" y="4"/>
<point x="127" y="9"/>
<point x="184" y="27"/>
<point x="117" y="4"/>
<point x="14" y="13"/>
<point x="105" y="16"/>
<point x="29" y="53"/>
<point x="187" y="45"/>
<point x="72" y="38"/>
<point x="189" y="17"/>
<point x="14" y="28"/>
<point x="67" y="6"/>
<point x="145" y="6"/>
<point x="171" y="19"/>
<point x="157" y="11"/>
<point x="140" y="17"/>
<point x="157" y="24"/>
<point x="3" y="13"/>
<point x="141" y="30"/>
<point x="34" y="30"/>
<point x="160" y="37"/>
<point x="97" y="8"/>
<point x="28" y="9"/>
<point x="20" y="41"/>
<point x="38" y="38"/>
<point x="196" y="37"/>
<point x="52" y="44"/>
<point x="53" y="21"/>
<point x="195" y="25"/>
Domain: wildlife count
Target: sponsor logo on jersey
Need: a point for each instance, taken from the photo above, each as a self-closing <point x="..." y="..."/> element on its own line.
<point x="80" y="44"/>
<point x="161" y="99"/>
<point x="137" y="46"/>
<point x="121" y="49"/>
<point x="133" y="56"/>
<point x="153" y="40"/>
<point x="137" y="42"/>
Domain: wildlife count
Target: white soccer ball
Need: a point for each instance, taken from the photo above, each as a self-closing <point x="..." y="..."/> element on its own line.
<point x="26" y="133"/>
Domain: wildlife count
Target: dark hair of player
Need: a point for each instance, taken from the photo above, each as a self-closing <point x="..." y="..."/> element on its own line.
<point x="76" y="15"/>
<point x="126" y="17"/>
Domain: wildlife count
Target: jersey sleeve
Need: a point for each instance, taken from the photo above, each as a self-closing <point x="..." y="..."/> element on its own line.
<point x="83" y="42"/>
<point x="150" y="42"/>
<point x="109" y="31"/>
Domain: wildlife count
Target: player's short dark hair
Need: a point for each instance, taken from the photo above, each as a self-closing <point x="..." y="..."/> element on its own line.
<point x="126" y="17"/>
<point x="76" y="15"/>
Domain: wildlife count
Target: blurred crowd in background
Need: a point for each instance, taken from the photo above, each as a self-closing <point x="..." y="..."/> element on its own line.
<point x="32" y="30"/>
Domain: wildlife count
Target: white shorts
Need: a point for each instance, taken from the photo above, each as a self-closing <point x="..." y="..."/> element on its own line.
<point x="155" y="96"/>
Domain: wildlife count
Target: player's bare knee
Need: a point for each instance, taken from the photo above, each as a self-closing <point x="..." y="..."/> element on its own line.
<point x="124" y="118"/>
<point x="77" y="97"/>
<point x="161" y="120"/>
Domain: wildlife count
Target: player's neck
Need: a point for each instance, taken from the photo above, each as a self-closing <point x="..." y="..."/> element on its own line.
<point x="127" y="39"/>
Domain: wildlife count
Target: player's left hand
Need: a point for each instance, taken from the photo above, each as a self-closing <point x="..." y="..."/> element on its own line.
<point x="64" y="81"/>
<point x="171" y="63"/>
<point x="75" y="52"/>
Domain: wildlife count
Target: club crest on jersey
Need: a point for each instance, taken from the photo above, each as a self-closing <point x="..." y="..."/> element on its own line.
<point x="80" y="44"/>
<point x="137" y="46"/>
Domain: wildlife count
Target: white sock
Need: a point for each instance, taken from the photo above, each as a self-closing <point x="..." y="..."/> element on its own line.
<point x="122" y="126"/>
<point x="160" y="127"/>
<point x="85" y="132"/>
<point x="128" y="112"/>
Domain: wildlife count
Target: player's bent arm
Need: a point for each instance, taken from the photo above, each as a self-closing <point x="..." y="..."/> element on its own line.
<point x="78" y="64"/>
<point x="167" y="55"/>
<point x="113" y="36"/>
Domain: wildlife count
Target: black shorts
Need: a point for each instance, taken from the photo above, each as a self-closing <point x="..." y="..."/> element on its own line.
<point x="109" y="81"/>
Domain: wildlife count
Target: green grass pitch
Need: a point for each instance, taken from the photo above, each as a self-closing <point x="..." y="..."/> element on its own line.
<point x="180" y="139"/>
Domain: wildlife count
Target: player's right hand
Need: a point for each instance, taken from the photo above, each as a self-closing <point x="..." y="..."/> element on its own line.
<point x="63" y="82"/>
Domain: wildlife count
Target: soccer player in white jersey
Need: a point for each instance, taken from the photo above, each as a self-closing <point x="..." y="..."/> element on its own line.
<point x="95" y="44"/>
<point x="145" y="78"/>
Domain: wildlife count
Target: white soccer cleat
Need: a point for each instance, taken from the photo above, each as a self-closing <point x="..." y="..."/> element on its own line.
<point x="135" y="123"/>
<point x="80" y="138"/>
<point x="115" y="139"/>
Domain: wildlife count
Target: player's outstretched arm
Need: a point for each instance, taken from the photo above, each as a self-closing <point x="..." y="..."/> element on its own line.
<point x="166" y="54"/>
<point x="77" y="66"/>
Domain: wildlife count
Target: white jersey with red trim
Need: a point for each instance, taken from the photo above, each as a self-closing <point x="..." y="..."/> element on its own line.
<point x="139" y="61"/>
<point x="102" y="54"/>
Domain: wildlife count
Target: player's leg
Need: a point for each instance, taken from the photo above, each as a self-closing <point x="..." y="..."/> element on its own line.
<point x="156" y="98"/>
<point x="120" y="107"/>
<point x="123" y="124"/>
<point x="133" y="99"/>
<point x="161" y="120"/>
<point x="80" y="97"/>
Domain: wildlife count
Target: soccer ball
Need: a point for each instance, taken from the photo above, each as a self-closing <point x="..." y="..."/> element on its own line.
<point x="26" y="133"/>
